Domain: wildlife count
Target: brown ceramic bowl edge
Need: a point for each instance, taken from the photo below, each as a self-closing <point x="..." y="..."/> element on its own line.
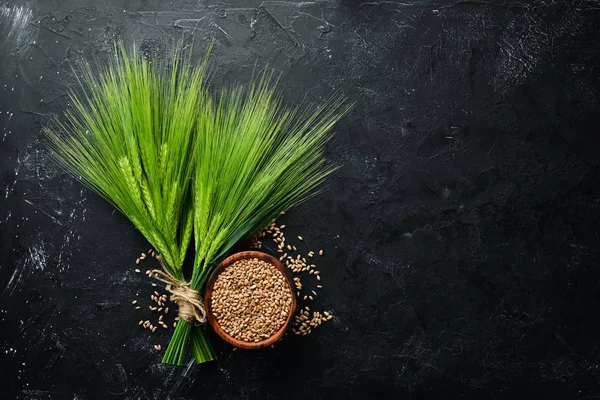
<point x="208" y="293"/>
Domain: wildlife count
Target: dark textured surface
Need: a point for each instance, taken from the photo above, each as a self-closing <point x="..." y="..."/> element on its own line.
<point x="461" y="235"/>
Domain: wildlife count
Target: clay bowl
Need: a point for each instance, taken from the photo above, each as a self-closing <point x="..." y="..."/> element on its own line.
<point x="209" y="289"/>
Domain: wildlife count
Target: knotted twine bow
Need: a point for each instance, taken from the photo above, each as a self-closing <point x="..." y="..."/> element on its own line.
<point x="189" y="301"/>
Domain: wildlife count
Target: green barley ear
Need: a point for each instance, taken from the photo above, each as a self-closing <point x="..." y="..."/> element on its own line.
<point x="130" y="136"/>
<point x="254" y="158"/>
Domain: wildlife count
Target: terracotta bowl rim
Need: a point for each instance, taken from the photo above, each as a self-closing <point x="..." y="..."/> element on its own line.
<point x="208" y="294"/>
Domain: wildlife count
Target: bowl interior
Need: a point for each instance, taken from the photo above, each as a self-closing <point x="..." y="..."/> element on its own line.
<point x="209" y="289"/>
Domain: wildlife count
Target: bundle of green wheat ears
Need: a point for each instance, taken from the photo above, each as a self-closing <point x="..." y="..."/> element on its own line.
<point x="183" y="161"/>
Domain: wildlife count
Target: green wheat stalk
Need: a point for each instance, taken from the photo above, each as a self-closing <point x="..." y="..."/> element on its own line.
<point x="254" y="158"/>
<point x="130" y="137"/>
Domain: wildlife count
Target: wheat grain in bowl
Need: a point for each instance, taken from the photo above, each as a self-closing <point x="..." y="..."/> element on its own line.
<point x="251" y="300"/>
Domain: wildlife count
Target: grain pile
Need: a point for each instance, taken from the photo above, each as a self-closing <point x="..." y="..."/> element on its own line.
<point x="251" y="300"/>
<point x="298" y="262"/>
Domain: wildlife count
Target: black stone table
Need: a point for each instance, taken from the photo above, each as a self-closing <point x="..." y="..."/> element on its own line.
<point x="461" y="234"/>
